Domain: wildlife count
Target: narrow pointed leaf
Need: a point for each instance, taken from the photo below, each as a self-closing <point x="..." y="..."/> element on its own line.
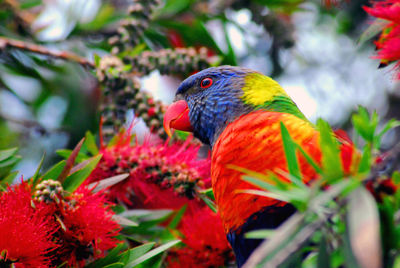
<point x="331" y="161"/>
<point x="10" y="161"/>
<point x="110" y="258"/>
<point x="209" y="203"/>
<point x="153" y="253"/>
<point x="256" y="177"/>
<point x="311" y="161"/>
<point x="66" y="153"/>
<point x="54" y="171"/>
<point x="35" y="176"/>
<point x="209" y="193"/>
<point x="372" y="30"/>
<point x="177" y="218"/>
<point x="267" y="194"/>
<point x="70" y="162"/>
<point x="124" y="221"/>
<point x="104" y="184"/>
<point x="134" y="253"/>
<point x="90" y="143"/>
<point x="115" y="265"/>
<point x="4" y="154"/>
<point x="9" y="179"/>
<point x="323" y="260"/>
<point x="365" y="162"/>
<point x="290" y="152"/>
<point x="262" y="184"/>
<point x="260" y="234"/>
<point x="73" y="181"/>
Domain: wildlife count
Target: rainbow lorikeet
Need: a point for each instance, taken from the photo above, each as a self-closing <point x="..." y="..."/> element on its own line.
<point x="238" y="111"/>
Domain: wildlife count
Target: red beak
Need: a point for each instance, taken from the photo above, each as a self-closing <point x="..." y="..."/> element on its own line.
<point x="177" y="117"/>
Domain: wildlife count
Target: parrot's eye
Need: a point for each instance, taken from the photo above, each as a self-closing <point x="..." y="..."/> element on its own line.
<point x="206" y="82"/>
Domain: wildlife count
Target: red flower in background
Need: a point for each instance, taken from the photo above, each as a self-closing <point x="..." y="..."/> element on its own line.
<point x="388" y="43"/>
<point x="25" y="232"/>
<point x="205" y="240"/>
<point x="168" y="176"/>
<point x="160" y="175"/>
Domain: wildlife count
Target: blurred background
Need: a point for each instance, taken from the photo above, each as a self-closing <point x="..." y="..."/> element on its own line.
<point x="313" y="49"/>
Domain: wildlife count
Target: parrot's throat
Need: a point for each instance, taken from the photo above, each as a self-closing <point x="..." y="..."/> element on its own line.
<point x="210" y="121"/>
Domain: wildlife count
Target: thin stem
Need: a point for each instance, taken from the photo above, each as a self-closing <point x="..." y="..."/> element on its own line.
<point x="21" y="45"/>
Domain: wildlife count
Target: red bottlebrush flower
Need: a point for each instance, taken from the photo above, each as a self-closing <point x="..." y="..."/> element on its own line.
<point x="388" y="10"/>
<point x="161" y="175"/>
<point x="87" y="228"/>
<point x="25" y="232"/>
<point x="389" y="42"/>
<point x="205" y="240"/>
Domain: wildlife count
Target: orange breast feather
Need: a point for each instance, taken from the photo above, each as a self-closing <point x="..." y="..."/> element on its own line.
<point x="254" y="142"/>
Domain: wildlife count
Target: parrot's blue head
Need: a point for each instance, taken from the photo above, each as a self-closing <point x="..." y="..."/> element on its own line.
<point x="213" y="99"/>
<point x="209" y="100"/>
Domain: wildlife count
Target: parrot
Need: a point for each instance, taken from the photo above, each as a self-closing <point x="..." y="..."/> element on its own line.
<point x="238" y="112"/>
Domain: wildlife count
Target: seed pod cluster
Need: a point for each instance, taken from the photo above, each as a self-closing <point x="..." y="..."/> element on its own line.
<point x="49" y="191"/>
<point x="169" y="61"/>
<point x="131" y="30"/>
<point x="120" y="77"/>
<point x="121" y="93"/>
<point x="157" y="172"/>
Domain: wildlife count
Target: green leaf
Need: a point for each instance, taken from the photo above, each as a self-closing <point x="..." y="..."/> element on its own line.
<point x="331" y="161"/>
<point x="110" y="258"/>
<point x="9" y="179"/>
<point x="173" y="7"/>
<point x="372" y="30"/>
<point x="290" y="152"/>
<point x="65" y="153"/>
<point x="209" y="203"/>
<point x="364" y="124"/>
<point x="177" y="217"/>
<point x="209" y="193"/>
<point x="115" y="265"/>
<point x="273" y="195"/>
<point x="297" y="197"/>
<point x="323" y="260"/>
<point x="70" y="162"/>
<point x="152" y="253"/>
<point x="36" y="176"/>
<point x="271" y="179"/>
<point x="261" y="183"/>
<point x="73" y="181"/>
<point x="54" y="171"/>
<point x="108" y="182"/>
<point x="12" y="160"/>
<point x="136" y="252"/>
<point x="90" y="143"/>
<point x="396" y="177"/>
<point x="260" y="234"/>
<point x="311" y="161"/>
<point x="124" y="221"/>
<point x="4" y="154"/>
<point x="366" y="158"/>
<point x="97" y="59"/>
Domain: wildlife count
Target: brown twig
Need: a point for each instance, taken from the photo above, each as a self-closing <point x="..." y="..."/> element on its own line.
<point x="21" y="45"/>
